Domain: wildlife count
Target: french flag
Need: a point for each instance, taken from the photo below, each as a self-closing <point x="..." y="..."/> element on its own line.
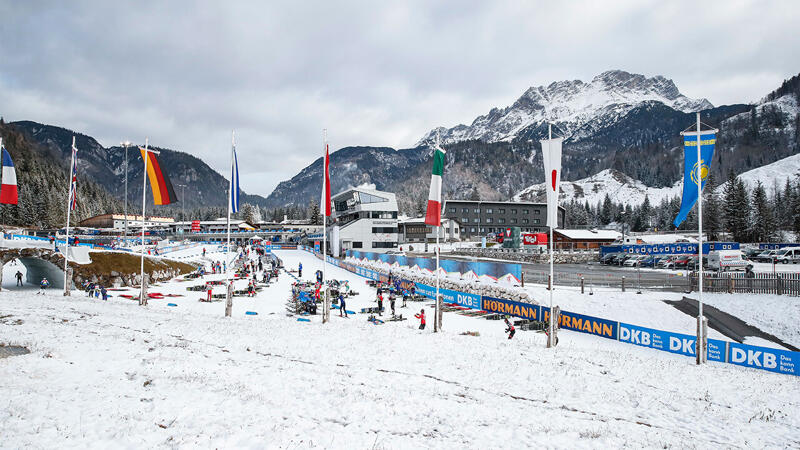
<point x="8" y="190"/>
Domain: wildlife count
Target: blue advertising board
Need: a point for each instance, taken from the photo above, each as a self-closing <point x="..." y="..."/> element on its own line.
<point x="492" y="269"/>
<point x="511" y="308"/>
<point x="776" y="246"/>
<point x="679" y="248"/>
<point x="682" y="344"/>
<point x="771" y="359"/>
<point x="585" y="324"/>
<point x="448" y="296"/>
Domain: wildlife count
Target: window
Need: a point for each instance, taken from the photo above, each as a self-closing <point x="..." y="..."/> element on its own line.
<point x="501" y="220"/>
<point x="483" y="230"/>
<point x="452" y="210"/>
<point x="513" y="211"/>
<point x="489" y="220"/>
<point x="384" y="244"/>
<point x="476" y="210"/>
<point x="475" y="220"/>
<point x="384" y="230"/>
<point x="536" y="221"/>
<point x="513" y="220"/>
<point x="525" y="220"/>
<point x="369" y="198"/>
<point x="502" y="211"/>
<point x="488" y="210"/>
<point x="466" y="219"/>
<point x="472" y="230"/>
<point x="464" y="210"/>
<point x="383" y="214"/>
<point x="539" y="211"/>
<point x="526" y="211"/>
<point x="357" y="244"/>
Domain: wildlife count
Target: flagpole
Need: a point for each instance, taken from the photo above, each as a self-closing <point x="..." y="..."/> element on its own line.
<point x="69" y="208"/>
<point x="324" y="211"/>
<point x="437" y="325"/>
<point x="142" y="295"/>
<point x="228" y="296"/>
<point x="701" y="348"/>
<point x="550" y="340"/>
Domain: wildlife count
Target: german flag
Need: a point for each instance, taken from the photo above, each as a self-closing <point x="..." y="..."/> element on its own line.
<point x="163" y="194"/>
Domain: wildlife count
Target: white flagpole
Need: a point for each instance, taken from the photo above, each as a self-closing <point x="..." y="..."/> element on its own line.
<point x="438" y="309"/>
<point x="228" y="297"/>
<point x="550" y="340"/>
<point x="323" y="210"/>
<point x="69" y="208"/>
<point x="701" y="348"/>
<point x="142" y="295"/>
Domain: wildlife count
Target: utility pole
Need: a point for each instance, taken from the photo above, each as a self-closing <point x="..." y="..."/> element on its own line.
<point x="126" y="144"/>
<point x="183" y="203"/>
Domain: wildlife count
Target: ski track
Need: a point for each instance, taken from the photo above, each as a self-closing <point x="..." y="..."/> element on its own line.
<point x="114" y="374"/>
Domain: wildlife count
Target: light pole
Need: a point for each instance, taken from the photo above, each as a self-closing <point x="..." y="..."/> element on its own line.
<point x="183" y="203"/>
<point x="126" y="144"/>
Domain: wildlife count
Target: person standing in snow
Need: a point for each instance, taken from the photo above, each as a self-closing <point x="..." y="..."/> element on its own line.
<point x="421" y="317"/>
<point x="42" y="286"/>
<point x="342" y="306"/>
<point x="380" y="302"/>
<point x="391" y="301"/>
<point x="509" y="329"/>
<point x="104" y="293"/>
<point x="208" y="288"/>
<point x="18" y="276"/>
<point x="300" y="270"/>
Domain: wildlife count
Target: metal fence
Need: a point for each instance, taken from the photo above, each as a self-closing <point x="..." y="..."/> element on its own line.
<point x="757" y="283"/>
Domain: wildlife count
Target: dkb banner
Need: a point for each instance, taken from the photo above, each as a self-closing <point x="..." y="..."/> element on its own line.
<point x="682" y="344"/>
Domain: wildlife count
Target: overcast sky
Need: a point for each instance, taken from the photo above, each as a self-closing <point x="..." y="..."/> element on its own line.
<point x="373" y="73"/>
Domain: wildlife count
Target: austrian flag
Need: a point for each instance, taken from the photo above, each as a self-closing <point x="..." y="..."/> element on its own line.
<point x="433" y="216"/>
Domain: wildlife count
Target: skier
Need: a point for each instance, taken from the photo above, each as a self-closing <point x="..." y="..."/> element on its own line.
<point x="104" y="293"/>
<point x="42" y="286"/>
<point x="208" y="289"/>
<point x="380" y="302"/>
<point x="19" y="278"/>
<point x="391" y="301"/>
<point x="421" y="317"/>
<point x="204" y="252"/>
<point x="300" y="270"/>
<point x="509" y="328"/>
<point x="342" y="306"/>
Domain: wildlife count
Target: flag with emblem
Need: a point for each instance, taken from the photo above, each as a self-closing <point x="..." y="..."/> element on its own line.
<point x="707" y="141"/>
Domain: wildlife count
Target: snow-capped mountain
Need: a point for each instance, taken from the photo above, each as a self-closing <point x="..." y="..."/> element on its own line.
<point x="771" y="175"/>
<point x="619" y="187"/>
<point x="578" y="108"/>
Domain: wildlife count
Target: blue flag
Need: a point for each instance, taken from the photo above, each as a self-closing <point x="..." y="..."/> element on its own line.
<point x="707" y="141"/>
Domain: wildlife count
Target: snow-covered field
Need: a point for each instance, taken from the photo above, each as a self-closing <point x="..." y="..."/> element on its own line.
<point x="114" y="374"/>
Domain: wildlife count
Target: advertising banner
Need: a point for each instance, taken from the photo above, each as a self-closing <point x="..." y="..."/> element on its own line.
<point x="771" y="359"/>
<point x="682" y="344"/>
<point x="585" y="324"/>
<point x="512" y="308"/>
<point x="460" y="298"/>
<point x="534" y="238"/>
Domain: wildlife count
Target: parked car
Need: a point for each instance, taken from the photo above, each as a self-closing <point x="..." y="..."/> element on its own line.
<point x="682" y="262"/>
<point x="607" y="258"/>
<point x="649" y="261"/>
<point x="668" y="262"/>
<point x="766" y="256"/>
<point x="751" y="253"/>
<point x="634" y="261"/>
<point x="622" y="258"/>
<point x="788" y="255"/>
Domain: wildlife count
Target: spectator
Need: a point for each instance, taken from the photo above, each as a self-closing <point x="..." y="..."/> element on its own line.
<point x="421" y="317"/>
<point x="342" y="306"/>
<point x="380" y="302"/>
<point x="18" y="276"/>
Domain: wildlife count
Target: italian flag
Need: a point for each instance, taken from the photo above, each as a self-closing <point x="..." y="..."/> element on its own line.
<point x="433" y="216"/>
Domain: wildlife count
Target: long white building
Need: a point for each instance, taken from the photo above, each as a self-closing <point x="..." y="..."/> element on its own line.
<point x="366" y="220"/>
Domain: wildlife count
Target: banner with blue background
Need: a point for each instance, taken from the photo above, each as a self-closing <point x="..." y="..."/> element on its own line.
<point x="707" y="141"/>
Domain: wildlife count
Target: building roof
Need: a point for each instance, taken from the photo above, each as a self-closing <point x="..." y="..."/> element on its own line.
<point x="608" y="235"/>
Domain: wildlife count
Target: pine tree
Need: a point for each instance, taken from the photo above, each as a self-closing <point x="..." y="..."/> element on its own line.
<point x="314" y="213"/>
<point x="606" y="212"/>
<point x="712" y="223"/>
<point x="763" y="226"/>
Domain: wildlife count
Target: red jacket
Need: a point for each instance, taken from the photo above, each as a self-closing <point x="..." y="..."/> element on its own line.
<point x="421" y="317"/>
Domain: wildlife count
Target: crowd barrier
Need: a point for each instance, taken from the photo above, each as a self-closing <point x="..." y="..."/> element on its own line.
<point x="764" y="358"/>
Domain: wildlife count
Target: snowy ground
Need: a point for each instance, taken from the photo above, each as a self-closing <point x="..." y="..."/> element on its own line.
<point x="113" y="374"/>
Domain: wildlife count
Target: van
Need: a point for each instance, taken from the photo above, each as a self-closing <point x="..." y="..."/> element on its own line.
<point x="722" y="260"/>
<point x="788" y="255"/>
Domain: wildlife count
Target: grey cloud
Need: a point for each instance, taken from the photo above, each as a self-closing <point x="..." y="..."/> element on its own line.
<point x="380" y="73"/>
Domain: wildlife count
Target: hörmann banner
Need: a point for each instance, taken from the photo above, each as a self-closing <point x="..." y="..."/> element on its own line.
<point x="512" y="308"/>
<point x="584" y="324"/>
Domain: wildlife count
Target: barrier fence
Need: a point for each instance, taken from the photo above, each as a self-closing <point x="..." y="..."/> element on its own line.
<point x="764" y="358"/>
<point x="756" y="283"/>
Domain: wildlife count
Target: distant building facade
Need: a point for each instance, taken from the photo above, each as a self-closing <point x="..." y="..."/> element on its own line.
<point x="117" y="221"/>
<point x="479" y="218"/>
<point x="366" y="220"/>
<point x="415" y="230"/>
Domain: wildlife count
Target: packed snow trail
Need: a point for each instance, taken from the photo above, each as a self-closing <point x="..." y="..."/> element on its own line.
<point x="110" y="374"/>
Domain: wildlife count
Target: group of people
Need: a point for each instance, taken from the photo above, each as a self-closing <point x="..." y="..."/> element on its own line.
<point x="95" y="290"/>
<point x="218" y="267"/>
